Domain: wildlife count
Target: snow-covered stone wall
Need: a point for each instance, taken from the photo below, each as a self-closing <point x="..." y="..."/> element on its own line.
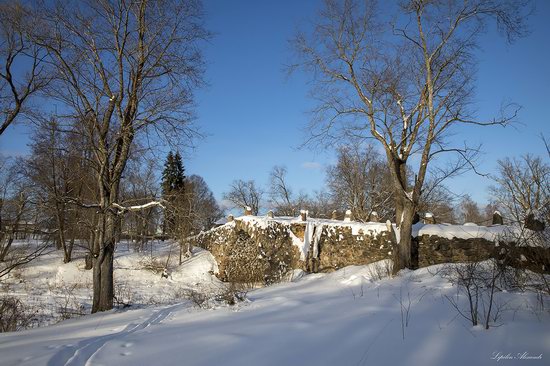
<point x="271" y="246"/>
<point x="518" y="247"/>
<point x="444" y="243"/>
<point x="251" y="251"/>
<point x="284" y="243"/>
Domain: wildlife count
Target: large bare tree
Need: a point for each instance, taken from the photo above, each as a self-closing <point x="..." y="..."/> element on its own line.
<point x="244" y="194"/>
<point x="125" y="69"/>
<point x="358" y="181"/>
<point x="522" y="188"/>
<point x="23" y="70"/>
<point x="404" y="79"/>
<point x="204" y="211"/>
<point x="281" y="194"/>
<point x="16" y="211"/>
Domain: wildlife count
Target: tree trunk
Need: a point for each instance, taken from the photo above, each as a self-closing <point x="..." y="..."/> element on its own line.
<point x="403" y="256"/>
<point x="6" y="246"/>
<point x="405" y="209"/>
<point x="103" y="291"/>
<point x="69" y="251"/>
<point x="70" y="245"/>
<point x="9" y="237"/>
<point x="61" y="238"/>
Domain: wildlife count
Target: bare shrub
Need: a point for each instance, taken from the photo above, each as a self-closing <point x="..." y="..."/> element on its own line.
<point x="153" y="265"/>
<point x="525" y="263"/>
<point x="199" y="299"/>
<point x="124" y="296"/>
<point x="66" y="304"/>
<point x="381" y="269"/>
<point x="478" y="281"/>
<point x="405" y="307"/>
<point x="179" y="292"/>
<point x="230" y="294"/>
<point x="233" y="294"/>
<point x="13" y="314"/>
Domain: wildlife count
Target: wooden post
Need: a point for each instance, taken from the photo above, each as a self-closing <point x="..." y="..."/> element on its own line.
<point x="334" y="215"/>
<point x="247" y="211"/>
<point x="303" y="215"/>
<point x="270" y="214"/>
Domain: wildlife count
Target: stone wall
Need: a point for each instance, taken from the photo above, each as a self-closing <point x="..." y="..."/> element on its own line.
<point x="264" y="249"/>
<point x="339" y="247"/>
<point x="268" y="248"/>
<point x="434" y="249"/>
<point x="249" y="253"/>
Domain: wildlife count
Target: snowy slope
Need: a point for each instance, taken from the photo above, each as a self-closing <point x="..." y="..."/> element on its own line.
<point x="52" y="289"/>
<point x="342" y="318"/>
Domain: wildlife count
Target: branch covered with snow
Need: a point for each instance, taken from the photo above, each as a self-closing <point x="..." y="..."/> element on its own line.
<point x="123" y="209"/>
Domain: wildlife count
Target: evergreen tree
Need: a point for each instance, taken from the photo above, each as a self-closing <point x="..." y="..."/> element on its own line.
<point x="179" y="176"/>
<point x="167" y="175"/>
<point x="173" y="191"/>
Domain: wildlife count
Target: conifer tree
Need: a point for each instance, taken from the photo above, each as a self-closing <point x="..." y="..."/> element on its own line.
<point x="173" y="191"/>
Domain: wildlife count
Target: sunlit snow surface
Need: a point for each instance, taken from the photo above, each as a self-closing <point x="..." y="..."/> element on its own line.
<point x="342" y="318"/>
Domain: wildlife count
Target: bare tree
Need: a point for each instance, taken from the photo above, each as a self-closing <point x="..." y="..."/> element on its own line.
<point x="23" y="71"/>
<point x="280" y="193"/>
<point x="470" y="212"/>
<point x="546" y="145"/>
<point x="522" y="187"/>
<point x="15" y="210"/>
<point x="320" y="205"/>
<point x="438" y="200"/>
<point x="14" y="202"/>
<point x="244" y="194"/>
<point x="51" y="169"/>
<point x="124" y="69"/>
<point x="139" y="186"/>
<point x="358" y="182"/>
<point x="403" y="80"/>
<point x="204" y="210"/>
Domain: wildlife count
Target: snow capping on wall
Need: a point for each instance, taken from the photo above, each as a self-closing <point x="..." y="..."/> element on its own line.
<point x="313" y="229"/>
<point x="470" y="231"/>
<point x="448" y="231"/>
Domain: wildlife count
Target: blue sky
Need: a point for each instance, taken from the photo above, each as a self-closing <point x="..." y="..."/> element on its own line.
<point x="254" y="115"/>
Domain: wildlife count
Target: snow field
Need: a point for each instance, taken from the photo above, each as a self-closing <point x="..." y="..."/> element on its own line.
<point x="347" y="317"/>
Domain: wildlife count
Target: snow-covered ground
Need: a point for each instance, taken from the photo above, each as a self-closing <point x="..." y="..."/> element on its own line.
<point x="348" y="317"/>
<point x="53" y="290"/>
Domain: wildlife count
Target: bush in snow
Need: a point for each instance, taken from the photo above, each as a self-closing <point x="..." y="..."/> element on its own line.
<point x="67" y="305"/>
<point x="381" y="269"/>
<point x="231" y="294"/>
<point x="479" y="283"/>
<point x="13" y="314"/>
<point x="153" y="265"/>
<point x="124" y="296"/>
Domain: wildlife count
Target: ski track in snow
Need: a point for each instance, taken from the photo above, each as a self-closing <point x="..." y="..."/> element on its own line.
<point x="83" y="352"/>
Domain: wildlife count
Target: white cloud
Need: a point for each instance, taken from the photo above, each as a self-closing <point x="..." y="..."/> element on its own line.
<point x="311" y="165"/>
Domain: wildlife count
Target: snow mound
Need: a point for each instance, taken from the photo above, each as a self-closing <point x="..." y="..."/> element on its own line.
<point x="197" y="269"/>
